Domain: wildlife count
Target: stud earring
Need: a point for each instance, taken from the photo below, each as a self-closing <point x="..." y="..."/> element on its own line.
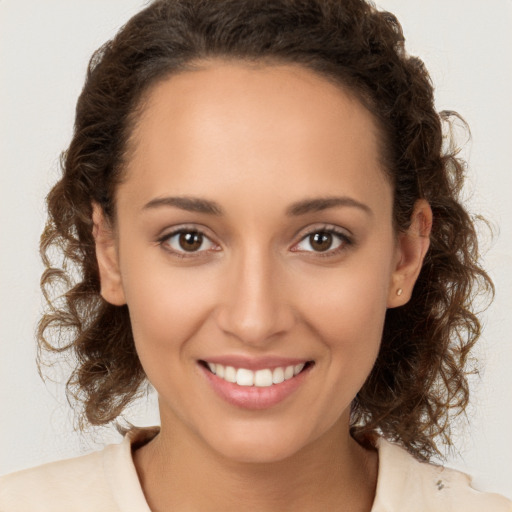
<point x="399" y="291"/>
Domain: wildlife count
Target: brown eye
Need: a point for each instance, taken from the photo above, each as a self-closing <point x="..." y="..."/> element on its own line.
<point x="321" y="241"/>
<point x="328" y="241"/>
<point x="190" y="241"/>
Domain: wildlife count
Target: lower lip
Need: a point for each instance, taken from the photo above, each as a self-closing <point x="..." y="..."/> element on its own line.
<point x="253" y="397"/>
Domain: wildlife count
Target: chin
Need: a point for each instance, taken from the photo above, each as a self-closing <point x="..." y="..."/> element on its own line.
<point x="258" y="447"/>
<point x="257" y="453"/>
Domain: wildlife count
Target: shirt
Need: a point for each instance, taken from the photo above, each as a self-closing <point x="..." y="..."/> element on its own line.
<point x="107" y="480"/>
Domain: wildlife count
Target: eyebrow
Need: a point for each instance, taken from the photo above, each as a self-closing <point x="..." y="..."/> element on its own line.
<point x="324" y="203"/>
<point x="190" y="204"/>
<point x="199" y="205"/>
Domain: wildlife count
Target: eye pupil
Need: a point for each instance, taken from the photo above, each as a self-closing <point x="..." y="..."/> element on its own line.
<point x="321" y="241"/>
<point x="191" y="241"/>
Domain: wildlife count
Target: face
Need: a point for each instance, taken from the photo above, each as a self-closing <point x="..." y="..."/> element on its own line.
<point x="254" y="248"/>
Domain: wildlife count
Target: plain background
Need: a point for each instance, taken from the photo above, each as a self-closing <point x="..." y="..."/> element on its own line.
<point x="44" y="50"/>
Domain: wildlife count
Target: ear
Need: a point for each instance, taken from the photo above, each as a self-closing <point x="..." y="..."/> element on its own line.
<point x="107" y="256"/>
<point x="412" y="246"/>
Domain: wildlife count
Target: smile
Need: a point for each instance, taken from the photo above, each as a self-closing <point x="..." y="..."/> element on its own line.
<point x="265" y="377"/>
<point x="255" y="384"/>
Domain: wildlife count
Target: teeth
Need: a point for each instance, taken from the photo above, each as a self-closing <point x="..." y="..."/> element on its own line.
<point x="259" y="378"/>
<point x="278" y="376"/>
<point x="244" y="377"/>
<point x="229" y="374"/>
<point x="263" y="378"/>
<point x="298" y="368"/>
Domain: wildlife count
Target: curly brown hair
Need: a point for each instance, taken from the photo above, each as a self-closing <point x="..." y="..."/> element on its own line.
<point x="419" y="380"/>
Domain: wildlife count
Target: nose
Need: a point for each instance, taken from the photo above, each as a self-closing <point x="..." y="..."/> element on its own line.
<point x="254" y="306"/>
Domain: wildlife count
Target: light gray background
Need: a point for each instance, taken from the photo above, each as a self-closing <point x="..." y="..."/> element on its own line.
<point x="44" y="49"/>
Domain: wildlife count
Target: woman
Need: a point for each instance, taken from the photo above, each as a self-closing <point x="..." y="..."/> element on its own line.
<point x="267" y="229"/>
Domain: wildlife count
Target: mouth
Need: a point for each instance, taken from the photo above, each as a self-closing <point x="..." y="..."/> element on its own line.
<point x="261" y="378"/>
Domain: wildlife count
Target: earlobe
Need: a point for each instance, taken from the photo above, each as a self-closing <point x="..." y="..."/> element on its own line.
<point x="412" y="247"/>
<point x="107" y="257"/>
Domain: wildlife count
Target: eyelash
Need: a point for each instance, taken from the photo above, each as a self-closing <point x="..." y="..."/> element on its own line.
<point x="346" y="241"/>
<point x="183" y="230"/>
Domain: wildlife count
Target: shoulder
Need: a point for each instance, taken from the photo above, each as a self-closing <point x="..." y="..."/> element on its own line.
<point x="407" y="484"/>
<point x="62" y="485"/>
<point x="101" y="481"/>
<point x="45" y="487"/>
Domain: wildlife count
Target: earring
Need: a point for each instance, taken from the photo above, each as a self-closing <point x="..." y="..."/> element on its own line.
<point x="399" y="291"/>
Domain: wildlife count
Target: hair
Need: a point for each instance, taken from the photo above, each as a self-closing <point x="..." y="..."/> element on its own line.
<point x="420" y="378"/>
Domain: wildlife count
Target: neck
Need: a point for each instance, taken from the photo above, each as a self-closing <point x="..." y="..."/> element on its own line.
<point x="178" y="472"/>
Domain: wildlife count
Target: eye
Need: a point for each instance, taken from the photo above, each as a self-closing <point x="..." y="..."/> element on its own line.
<point x="187" y="241"/>
<point x="323" y="241"/>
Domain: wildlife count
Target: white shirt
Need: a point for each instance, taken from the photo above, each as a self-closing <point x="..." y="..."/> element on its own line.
<point x="107" y="480"/>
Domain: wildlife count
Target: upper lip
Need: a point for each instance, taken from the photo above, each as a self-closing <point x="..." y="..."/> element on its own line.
<point x="255" y="363"/>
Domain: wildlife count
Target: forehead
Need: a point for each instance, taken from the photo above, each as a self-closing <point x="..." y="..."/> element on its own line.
<point x="227" y="123"/>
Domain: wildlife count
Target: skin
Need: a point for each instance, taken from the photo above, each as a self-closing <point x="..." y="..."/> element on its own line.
<point x="256" y="140"/>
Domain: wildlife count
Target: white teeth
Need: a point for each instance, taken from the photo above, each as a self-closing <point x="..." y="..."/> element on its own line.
<point x="263" y="378"/>
<point x="260" y="378"/>
<point x="244" y="377"/>
<point x="278" y="376"/>
<point x="230" y="374"/>
<point x="298" y="368"/>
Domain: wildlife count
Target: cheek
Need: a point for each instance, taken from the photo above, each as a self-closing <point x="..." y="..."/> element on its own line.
<point x="347" y="308"/>
<point x="352" y="297"/>
<point x="167" y="305"/>
<point x="167" y="309"/>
